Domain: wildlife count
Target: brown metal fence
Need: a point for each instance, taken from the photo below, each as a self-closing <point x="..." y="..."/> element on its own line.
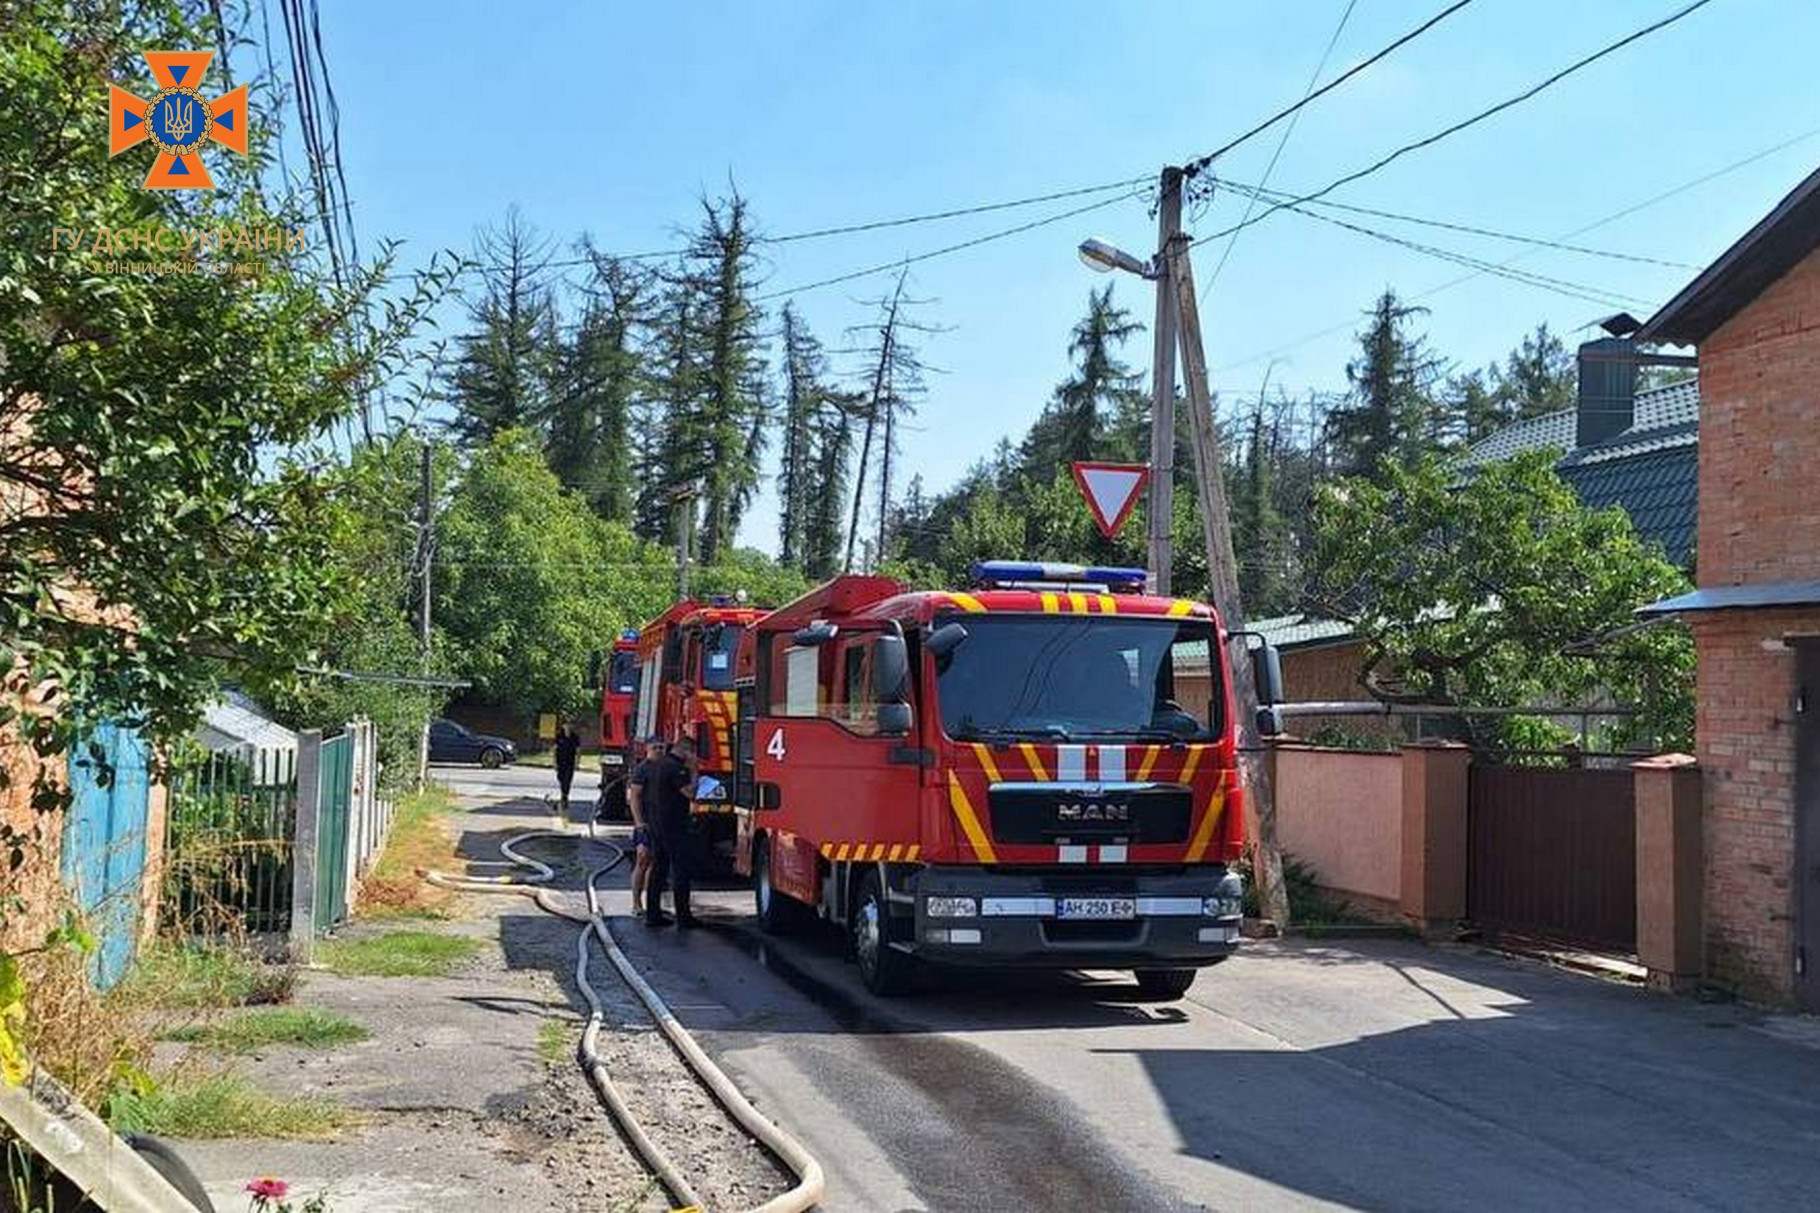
<point x="1552" y="853"/>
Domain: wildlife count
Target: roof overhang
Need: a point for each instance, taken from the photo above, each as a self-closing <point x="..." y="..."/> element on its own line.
<point x="1745" y="270"/>
<point x="1763" y="595"/>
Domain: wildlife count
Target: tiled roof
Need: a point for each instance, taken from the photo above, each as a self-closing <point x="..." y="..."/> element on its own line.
<point x="1656" y="483"/>
<point x="1651" y="469"/>
<point x="1672" y="405"/>
<point x="1297" y="631"/>
<point x="1549" y="431"/>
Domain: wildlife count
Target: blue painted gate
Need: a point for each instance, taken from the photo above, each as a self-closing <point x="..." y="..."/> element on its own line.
<point x="104" y="838"/>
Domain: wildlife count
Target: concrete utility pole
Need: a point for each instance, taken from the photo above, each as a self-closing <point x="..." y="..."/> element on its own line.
<point x="1162" y="387"/>
<point x="425" y="546"/>
<point x="685" y="527"/>
<point x="1223" y="571"/>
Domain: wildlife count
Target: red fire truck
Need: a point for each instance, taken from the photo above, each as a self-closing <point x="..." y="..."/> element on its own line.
<point x="1041" y="771"/>
<point x="618" y="697"/>
<point x="685" y="661"/>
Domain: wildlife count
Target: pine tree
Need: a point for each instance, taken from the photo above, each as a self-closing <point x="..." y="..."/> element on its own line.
<point x="1540" y="376"/>
<point x="1077" y="423"/>
<point x="894" y="380"/>
<point x="720" y="271"/>
<point x="1391" y="415"/>
<point x="805" y="398"/>
<point x="505" y="361"/>
<point x="833" y="454"/>
<point x="588" y="420"/>
<point x="676" y="446"/>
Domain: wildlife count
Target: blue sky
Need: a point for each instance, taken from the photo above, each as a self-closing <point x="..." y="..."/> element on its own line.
<point x="613" y="119"/>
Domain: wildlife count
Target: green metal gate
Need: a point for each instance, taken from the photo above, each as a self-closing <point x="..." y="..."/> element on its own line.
<point x="335" y="798"/>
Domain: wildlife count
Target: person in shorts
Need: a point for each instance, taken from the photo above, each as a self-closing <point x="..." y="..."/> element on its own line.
<point x="641" y="828"/>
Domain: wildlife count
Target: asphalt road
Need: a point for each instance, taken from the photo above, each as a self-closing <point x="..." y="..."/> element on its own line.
<point x="1366" y="1075"/>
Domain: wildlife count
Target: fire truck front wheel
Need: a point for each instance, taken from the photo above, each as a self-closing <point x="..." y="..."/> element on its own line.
<point x="1164" y="985"/>
<point x="885" y="970"/>
<point x="778" y="913"/>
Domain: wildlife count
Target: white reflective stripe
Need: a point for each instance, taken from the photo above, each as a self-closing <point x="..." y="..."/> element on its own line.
<point x="1217" y="935"/>
<point x="1017" y="907"/>
<point x="1168" y="907"/>
<point x="964" y="935"/>
<point x="1071" y="854"/>
<point x="1071" y="763"/>
<point x="1112" y="854"/>
<point x="1112" y="764"/>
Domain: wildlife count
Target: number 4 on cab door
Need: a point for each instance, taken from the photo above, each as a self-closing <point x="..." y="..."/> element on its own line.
<point x="775" y="747"/>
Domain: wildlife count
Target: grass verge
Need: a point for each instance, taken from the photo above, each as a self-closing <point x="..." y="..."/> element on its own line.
<point x="397" y="954"/>
<point x="173" y="976"/>
<point x="419" y="839"/>
<point x="250" y="1031"/>
<point x="222" y="1105"/>
<point x="553" y="1042"/>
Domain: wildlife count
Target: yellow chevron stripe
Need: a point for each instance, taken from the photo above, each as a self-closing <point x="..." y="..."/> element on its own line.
<point x="913" y="852"/>
<point x="1035" y="761"/>
<point x="969" y="821"/>
<point x="986" y="761"/>
<point x="1203" y="837"/>
<point x="1077" y="602"/>
<point x="1049" y="602"/>
<point x="1151" y="754"/>
<point x="1108" y="605"/>
<point x="827" y="850"/>
<point x="897" y="850"/>
<point x="968" y="602"/>
<point x="1194" y="760"/>
<point x="840" y="855"/>
<point x="878" y="851"/>
<point x="1180" y="607"/>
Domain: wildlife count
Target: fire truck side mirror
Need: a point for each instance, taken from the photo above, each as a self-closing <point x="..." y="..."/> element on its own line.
<point x="819" y="632"/>
<point x="944" y="640"/>
<point x="1267" y="674"/>
<point x="895" y="720"/>
<point x="1270" y="721"/>
<point x="890" y="670"/>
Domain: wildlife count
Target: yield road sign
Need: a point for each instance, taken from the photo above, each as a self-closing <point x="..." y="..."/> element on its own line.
<point x="1111" y="490"/>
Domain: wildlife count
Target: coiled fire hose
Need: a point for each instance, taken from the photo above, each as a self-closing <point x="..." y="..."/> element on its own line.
<point x="810" y="1181"/>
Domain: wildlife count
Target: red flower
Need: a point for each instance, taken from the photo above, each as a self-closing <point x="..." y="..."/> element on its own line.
<point x="267" y="1188"/>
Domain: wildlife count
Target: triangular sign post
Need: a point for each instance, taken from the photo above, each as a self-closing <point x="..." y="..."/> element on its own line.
<point x="1111" y="490"/>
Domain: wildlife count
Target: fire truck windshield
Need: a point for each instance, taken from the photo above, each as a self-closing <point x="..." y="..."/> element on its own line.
<point x="719" y="645"/>
<point x="622" y="673"/>
<point x="1055" y="676"/>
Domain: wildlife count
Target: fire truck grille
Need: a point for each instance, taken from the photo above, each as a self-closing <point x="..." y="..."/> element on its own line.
<point x="1038" y="813"/>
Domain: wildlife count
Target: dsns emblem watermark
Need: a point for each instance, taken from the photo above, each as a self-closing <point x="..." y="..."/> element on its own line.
<point x="178" y="120"/>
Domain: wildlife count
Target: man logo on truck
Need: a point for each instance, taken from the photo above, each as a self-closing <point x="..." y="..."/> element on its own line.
<point x="1092" y="811"/>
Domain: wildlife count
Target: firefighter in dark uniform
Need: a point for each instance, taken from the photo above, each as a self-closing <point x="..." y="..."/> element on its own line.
<point x="669" y="790"/>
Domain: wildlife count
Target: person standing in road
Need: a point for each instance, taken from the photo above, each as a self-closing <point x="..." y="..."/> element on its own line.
<point x="568" y="749"/>
<point x="641" y="826"/>
<point x="669" y="789"/>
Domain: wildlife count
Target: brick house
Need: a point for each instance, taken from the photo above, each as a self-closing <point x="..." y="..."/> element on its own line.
<point x="1754" y="315"/>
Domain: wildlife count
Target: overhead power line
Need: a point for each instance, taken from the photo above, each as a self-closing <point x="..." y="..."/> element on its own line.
<point x="1196" y="165"/>
<point x="1560" y="286"/>
<point x="1603" y="221"/>
<point x="1307" y="95"/>
<point x="1534" y="89"/>
<point x="900" y="262"/>
<point x="1270" y="195"/>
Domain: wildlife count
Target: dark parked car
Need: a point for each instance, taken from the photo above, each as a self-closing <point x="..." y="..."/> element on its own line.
<point x="451" y="742"/>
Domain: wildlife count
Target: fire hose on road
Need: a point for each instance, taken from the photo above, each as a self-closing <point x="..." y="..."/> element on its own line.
<point x="808" y="1172"/>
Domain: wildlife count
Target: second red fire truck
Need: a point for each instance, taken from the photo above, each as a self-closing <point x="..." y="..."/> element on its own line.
<point x="679" y="682"/>
<point x="1038" y="771"/>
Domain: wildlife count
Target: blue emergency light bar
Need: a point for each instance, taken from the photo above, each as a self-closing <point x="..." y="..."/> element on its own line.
<point x="1011" y="572"/>
<point x="629" y="634"/>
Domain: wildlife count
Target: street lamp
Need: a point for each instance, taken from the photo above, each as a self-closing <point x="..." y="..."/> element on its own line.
<point x="1102" y="257"/>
